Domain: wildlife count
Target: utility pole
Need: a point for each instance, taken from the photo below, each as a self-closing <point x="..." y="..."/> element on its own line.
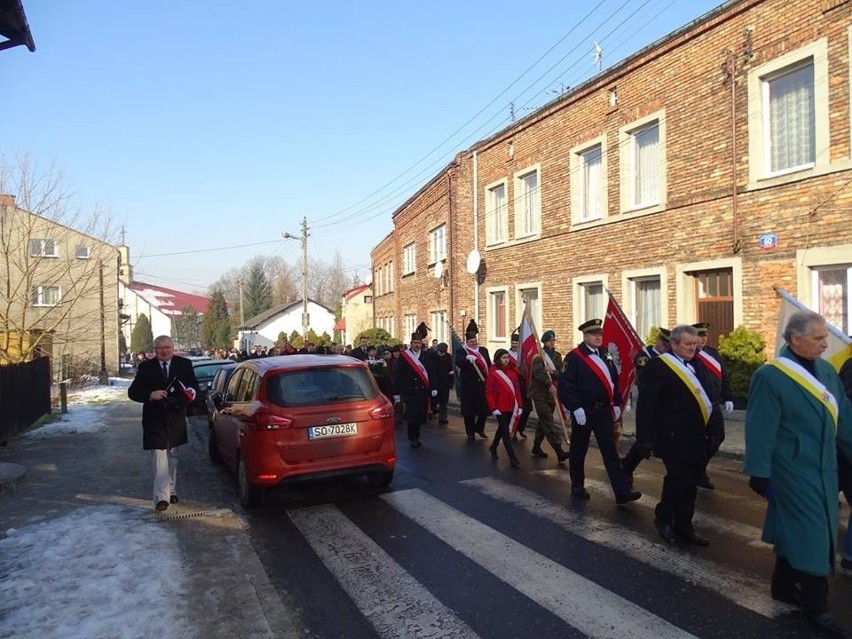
<point x="104" y="375"/>
<point x="305" y="317"/>
<point x="242" y="316"/>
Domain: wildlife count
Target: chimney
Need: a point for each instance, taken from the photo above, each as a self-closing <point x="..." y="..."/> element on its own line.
<point x="7" y="200"/>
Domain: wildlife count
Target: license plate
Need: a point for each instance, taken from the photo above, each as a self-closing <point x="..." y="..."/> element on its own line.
<point x="332" y="430"/>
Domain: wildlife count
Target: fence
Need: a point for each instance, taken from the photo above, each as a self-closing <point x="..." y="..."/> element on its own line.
<point x="24" y="395"/>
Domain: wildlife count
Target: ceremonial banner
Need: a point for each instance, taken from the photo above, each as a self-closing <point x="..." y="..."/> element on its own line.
<point x="839" y="345"/>
<point x="528" y="345"/>
<point x="623" y="344"/>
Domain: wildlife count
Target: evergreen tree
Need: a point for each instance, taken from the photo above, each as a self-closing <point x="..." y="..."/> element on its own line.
<point x="216" y="328"/>
<point x="142" y="338"/>
<point x="186" y="328"/>
<point x="258" y="292"/>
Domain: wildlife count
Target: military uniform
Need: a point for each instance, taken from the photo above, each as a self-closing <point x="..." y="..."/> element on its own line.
<point x="414" y="382"/>
<point x="588" y="387"/>
<point x="543" y="374"/>
<point x="473" y="365"/>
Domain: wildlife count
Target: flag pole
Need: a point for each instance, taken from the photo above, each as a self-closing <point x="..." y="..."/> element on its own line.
<point x="553" y="390"/>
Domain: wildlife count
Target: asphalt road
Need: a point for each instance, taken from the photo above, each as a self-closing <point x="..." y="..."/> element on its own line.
<point x="461" y="546"/>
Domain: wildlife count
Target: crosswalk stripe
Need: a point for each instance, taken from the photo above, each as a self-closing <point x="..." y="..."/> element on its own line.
<point x="592" y="609"/>
<point x="742" y="589"/>
<point x="744" y="532"/>
<point x="389" y="597"/>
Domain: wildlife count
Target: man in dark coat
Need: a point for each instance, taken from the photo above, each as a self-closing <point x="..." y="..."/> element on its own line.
<point x="360" y="351"/>
<point x="588" y="388"/>
<point x="445" y="378"/>
<point x="671" y="416"/>
<point x="473" y="362"/>
<point x="414" y="384"/>
<point x="165" y="385"/>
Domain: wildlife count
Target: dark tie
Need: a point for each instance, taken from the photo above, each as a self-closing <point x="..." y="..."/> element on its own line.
<point x="165" y="370"/>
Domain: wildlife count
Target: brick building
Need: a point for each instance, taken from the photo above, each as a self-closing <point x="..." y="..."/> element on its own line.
<point x="689" y="180"/>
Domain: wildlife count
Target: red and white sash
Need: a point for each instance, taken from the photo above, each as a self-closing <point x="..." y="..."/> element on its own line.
<point x="599" y="368"/>
<point x="711" y="364"/>
<point x="513" y="356"/>
<point x="513" y="423"/>
<point x="480" y="360"/>
<point x="418" y="367"/>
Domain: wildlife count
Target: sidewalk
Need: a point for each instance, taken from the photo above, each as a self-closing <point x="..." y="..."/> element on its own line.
<point x="83" y="553"/>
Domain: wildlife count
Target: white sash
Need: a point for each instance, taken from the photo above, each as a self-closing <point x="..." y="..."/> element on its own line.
<point x="711" y="363"/>
<point x="483" y="365"/>
<point x="548" y="363"/>
<point x="513" y="355"/>
<point x="597" y="361"/>
<point x="806" y="380"/>
<point x="691" y="379"/>
<point x="417" y="365"/>
<point x="505" y="379"/>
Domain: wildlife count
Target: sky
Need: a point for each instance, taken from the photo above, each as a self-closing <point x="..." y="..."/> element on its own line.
<point x="207" y="129"/>
<point x="103" y="553"/>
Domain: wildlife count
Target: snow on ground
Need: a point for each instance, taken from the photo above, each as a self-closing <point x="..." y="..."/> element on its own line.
<point x="83" y="575"/>
<point x="84" y="408"/>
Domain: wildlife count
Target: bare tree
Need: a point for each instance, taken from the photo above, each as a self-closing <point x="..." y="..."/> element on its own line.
<point x="58" y="271"/>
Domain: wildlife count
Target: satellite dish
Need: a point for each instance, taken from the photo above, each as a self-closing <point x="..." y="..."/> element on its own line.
<point x="473" y="261"/>
<point x="438" y="271"/>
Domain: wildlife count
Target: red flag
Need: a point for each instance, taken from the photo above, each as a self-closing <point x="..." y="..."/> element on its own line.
<point x="528" y="345"/>
<point x="622" y="342"/>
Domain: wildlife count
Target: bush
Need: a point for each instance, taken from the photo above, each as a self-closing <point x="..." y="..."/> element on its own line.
<point x="375" y="336"/>
<point x="651" y="337"/>
<point x="743" y="352"/>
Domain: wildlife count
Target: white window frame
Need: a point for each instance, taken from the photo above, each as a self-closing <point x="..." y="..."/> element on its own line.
<point x="409" y="259"/>
<point x="410" y="321"/>
<point x="377" y="281"/>
<point x="82" y="252"/>
<point x="578" y="308"/>
<point x="391" y="326"/>
<point x="519" y="303"/>
<point x="496" y="215"/>
<point x="38" y="295"/>
<point x="815" y="291"/>
<point x="579" y="194"/>
<point x="627" y="164"/>
<point x="527" y="203"/>
<point x="439" y="325"/>
<point x="497" y="333"/>
<point x="438" y="244"/>
<point x="760" y="173"/>
<point x="42" y="250"/>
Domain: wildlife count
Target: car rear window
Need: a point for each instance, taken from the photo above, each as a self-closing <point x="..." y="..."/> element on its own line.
<point x="309" y="387"/>
<point x="208" y="370"/>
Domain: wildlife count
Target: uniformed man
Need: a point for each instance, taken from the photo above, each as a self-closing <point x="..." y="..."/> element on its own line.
<point x="473" y="363"/>
<point x="638" y="451"/>
<point x="544" y="372"/>
<point x="414" y="383"/>
<point x="671" y="416"/>
<point x="588" y="387"/>
<point x="514" y="354"/>
<point x="719" y="390"/>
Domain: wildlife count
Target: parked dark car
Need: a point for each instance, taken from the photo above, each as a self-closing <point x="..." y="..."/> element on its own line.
<point x="299" y="418"/>
<point x="216" y="389"/>
<point x="205" y="370"/>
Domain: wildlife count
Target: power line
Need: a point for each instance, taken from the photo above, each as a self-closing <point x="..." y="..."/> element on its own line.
<point x="209" y="250"/>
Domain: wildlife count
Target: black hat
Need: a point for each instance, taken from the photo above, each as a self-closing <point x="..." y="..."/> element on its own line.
<point x="472" y="330"/>
<point x="515" y="337"/>
<point x="422" y="330"/>
<point x="591" y="326"/>
<point x="547" y="336"/>
<point x="702" y="327"/>
<point x="664" y="335"/>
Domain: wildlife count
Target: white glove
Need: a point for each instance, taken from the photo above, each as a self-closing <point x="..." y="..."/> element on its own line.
<point x="496" y="413"/>
<point x="729" y="407"/>
<point x="434" y="393"/>
<point x="396" y="399"/>
<point x="628" y="408"/>
<point x="470" y="358"/>
<point x="519" y="412"/>
<point x="616" y="413"/>
<point x="580" y="416"/>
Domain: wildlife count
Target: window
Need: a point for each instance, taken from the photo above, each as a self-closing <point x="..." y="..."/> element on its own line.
<point x="368" y="299"/>
<point x="497" y="314"/>
<point x="646" y="166"/>
<point x="408" y="259"/>
<point x="46" y="295"/>
<point x="529" y="296"/>
<point x="82" y="253"/>
<point x="831" y="292"/>
<point x="410" y="326"/>
<point x="438" y="244"/>
<point x="391" y="326"/>
<point x="377" y="280"/>
<point x="527" y="204"/>
<point x="496" y="214"/>
<point x="439" y="325"/>
<point x="789" y="107"/>
<point x="646" y="304"/>
<point x="591" y="184"/>
<point x="593" y="301"/>
<point x="389" y="277"/>
<point x="43" y="248"/>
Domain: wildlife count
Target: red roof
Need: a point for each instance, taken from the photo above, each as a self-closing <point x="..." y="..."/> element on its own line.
<point x="341" y="324"/>
<point x="351" y="292"/>
<point x="168" y="300"/>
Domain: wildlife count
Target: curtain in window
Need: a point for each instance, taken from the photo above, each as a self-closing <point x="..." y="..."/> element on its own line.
<point x="792" y="129"/>
<point x="591" y="194"/>
<point x="530" y="297"/>
<point x="594" y="301"/>
<point x="495" y="215"/>
<point x="647" y="305"/>
<point x="530" y="204"/>
<point x="834" y="297"/>
<point x="647" y="166"/>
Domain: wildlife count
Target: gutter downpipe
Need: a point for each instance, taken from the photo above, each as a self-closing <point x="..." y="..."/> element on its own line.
<point x="476" y="233"/>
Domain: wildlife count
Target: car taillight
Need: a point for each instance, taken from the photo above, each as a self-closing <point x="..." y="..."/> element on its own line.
<point x="382" y="412"/>
<point x="268" y="421"/>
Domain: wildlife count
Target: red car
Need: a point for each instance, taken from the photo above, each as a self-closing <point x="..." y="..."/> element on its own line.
<point x="302" y="417"/>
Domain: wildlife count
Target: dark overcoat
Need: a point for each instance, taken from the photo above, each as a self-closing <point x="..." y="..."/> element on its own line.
<point x="163" y="421"/>
<point x="472" y="392"/>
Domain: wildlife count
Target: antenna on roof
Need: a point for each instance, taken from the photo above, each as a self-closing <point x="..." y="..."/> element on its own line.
<point x="597" y="56"/>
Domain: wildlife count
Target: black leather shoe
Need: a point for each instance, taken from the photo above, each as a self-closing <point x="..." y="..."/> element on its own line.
<point x="580" y="493"/>
<point x="694" y="538"/>
<point x="173" y="499"/>
<point x="161" y="505"/>
<point x="791" y="596"/>
<point x="493" y="452"/>
<point x="626" y="498"/>
<point x="482" y="434"/>
<point x="515" y="463"/>
<point x="705" y="483"/>
<point x="521" y="434"/>
<point x="828" y="624"/>
<point x="538" y="452"/>
<point x="666" y="532"/>
<point x="414" y="443"/>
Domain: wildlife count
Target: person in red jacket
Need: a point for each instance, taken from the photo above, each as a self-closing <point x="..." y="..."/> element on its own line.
<point x="503" y="393"/>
